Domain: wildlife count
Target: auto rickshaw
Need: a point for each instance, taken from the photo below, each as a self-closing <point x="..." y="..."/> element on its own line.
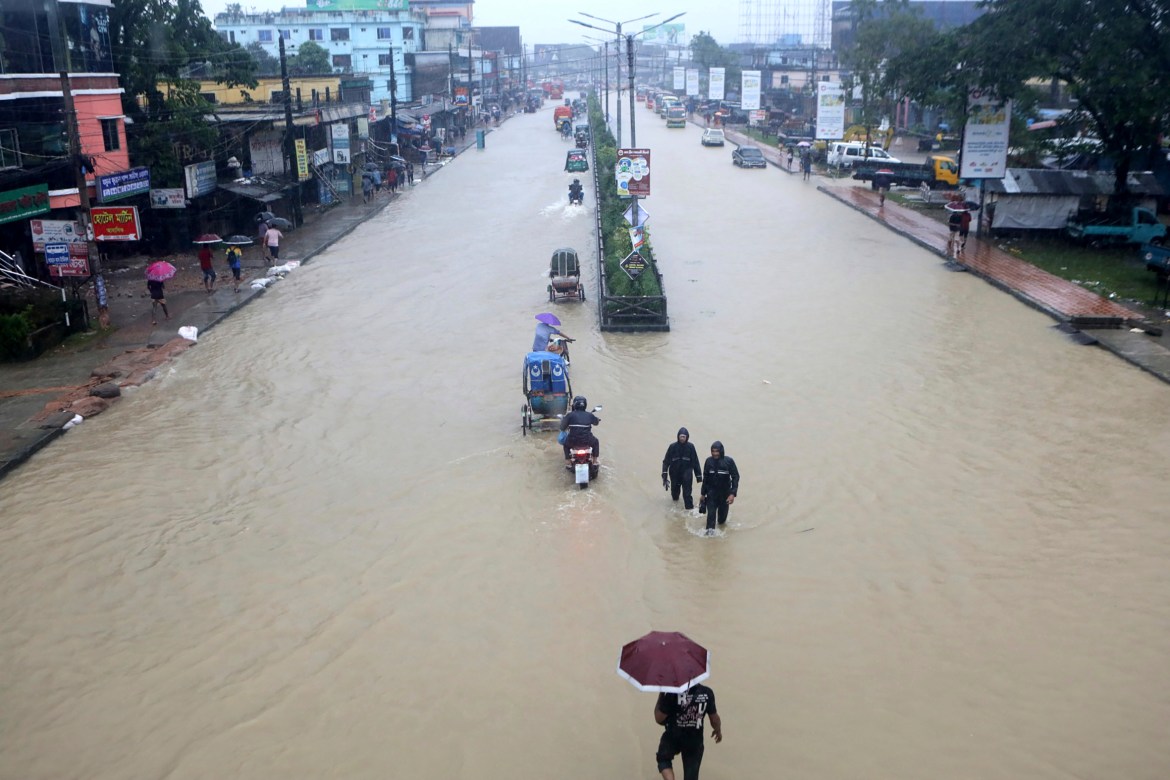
<point x="564" y="275"/>
<point x="576" y="161"/>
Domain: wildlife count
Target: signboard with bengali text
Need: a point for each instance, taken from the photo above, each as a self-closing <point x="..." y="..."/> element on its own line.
<point x="633" y="264"/>
<point x="24" y="202"/>
<point x="54" y="231"/>
<point x="115" y="223"/>
<point x="168" y="198"/>
<point x="302" y="159"/>
<point x="125" y="184"/>
<point x="200" y="178"/>
<point x="632" y="172"/>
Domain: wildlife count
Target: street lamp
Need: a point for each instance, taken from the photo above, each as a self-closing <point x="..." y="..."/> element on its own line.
<point x="630" y="56"/>
<point x="618" y="34"/>
<point x="605" y="64"/>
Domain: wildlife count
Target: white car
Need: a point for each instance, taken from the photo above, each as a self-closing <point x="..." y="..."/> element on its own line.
<point x="712" y="137"/>
<point x="844" y="154"/>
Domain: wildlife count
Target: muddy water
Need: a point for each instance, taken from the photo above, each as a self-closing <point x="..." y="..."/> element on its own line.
<point x="318" y="546"/>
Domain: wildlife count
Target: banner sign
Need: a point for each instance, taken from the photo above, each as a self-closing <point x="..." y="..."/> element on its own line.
<point x="830" y="111"/>
<point x="758" y="117"/>
<point x="633" y="172"/>
<point x="54" y="231"/>
<point x="637" y="237"/>
<point x="302" y="159"/>
<point x="114" y="186"/>
<point x="78" y="264"/>
<point x="634" y="264"/>
<point x="692" y="81"/>
<point x="56" y="254"/>
<point x="680" y="78"/>
<point x="715" y="83"/>
<point x="116" y="223"/>
<point x="320" y="156"/>
<point x="673" y="34"/>
<point x="749" y="94"/>
<point x="461" y="96"/>
<point x="200" y="178"/>
<point x="168" y="198"/>
<point x="24" y="202"/>
<point x="985" y="139"/>
<point x="340" y="134"/>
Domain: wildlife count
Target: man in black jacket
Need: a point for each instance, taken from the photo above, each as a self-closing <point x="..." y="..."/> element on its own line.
<point x="680" y="462"/>
<point x="579" y="424"/>
<point x="721" y="483"/>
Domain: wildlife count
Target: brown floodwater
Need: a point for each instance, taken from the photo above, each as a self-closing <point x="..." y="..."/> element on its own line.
<point x="319" y="547"/>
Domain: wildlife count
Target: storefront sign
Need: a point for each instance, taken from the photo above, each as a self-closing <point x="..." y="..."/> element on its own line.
<point x="115" y="186"/>
<point x="302" y="159"/>
<point x="168" y="198"/>
<point x="78" y="265"/>
<point x="115" y="223"/>
<point x="340" y="135"/>
<point x="200" y="178"/>
<point x="633" y="172"/>
<point x="23" y="203"/>
<point x="54" y="231"/>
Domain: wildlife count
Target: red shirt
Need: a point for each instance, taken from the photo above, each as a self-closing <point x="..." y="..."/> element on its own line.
<point x="205" y="258"/>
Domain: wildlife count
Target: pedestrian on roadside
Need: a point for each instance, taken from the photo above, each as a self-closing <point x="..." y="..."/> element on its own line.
<point x="393" y="180"/>
<point x="272" y="240"/>
<point x="681" y="715"/>
<point x="205" y="266"/>
<point x="262" y="228"/>
<point x="233" y="260"/>
<point x="367" y="189"/>
<point x="791" y="154"/>
<point x="410" y="173"/>
<point x="720" y="486"/>
<point x="679" y="463"/>
<point x="806" y="163"/>
<point x="158" y="297"/>
<point x="953" y="222"/>
<point x="964" y="229"/>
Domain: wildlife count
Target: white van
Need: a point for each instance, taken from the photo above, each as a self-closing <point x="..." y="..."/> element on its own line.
<point x="845" y="153"/>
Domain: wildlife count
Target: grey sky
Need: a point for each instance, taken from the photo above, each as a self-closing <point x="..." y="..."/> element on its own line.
<point x="545" y="22"/>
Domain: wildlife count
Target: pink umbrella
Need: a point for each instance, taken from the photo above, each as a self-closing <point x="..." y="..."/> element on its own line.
<point x="207" y="238"/>
<point x="159" y="271"/>
<point x="665" y="661"/>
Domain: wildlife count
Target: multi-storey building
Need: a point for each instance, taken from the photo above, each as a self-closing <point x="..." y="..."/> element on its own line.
<point x="362" y="37"/>
<point x="38" y="174"/>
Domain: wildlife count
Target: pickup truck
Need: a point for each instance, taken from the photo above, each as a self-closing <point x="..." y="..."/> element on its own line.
<point x="938" y="171"/>
<point x="1135" y="225"/>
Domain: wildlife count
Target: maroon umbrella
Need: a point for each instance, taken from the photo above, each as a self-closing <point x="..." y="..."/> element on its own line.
<point x="665" y="661"/>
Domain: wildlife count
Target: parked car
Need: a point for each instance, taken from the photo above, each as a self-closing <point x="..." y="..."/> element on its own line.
<point x="845" y="153"/>
<point x="749" y="157"/>
<point x="712" y="136"/>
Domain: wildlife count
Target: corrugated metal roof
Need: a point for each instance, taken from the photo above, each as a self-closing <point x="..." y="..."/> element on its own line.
<point x="1043" y="181"/>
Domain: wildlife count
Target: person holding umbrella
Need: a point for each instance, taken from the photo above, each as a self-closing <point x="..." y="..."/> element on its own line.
<point x="156" y="275"/>
<point x="545" y="328"/>
<point x="681" y="715"/>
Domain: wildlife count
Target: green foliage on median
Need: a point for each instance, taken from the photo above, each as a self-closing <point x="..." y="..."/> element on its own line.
<point x="614" y="228"/>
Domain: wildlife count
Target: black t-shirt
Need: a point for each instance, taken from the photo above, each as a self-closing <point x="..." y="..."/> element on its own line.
<point x="687" y="710"/>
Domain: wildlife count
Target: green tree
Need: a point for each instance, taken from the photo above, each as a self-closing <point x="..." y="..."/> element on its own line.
<point x="310" y="59"/>
<point x="1113" y="55"/>
<point x="177" y="136"/>
<point x="707" y="53"/>
<point x="266" y="64"/>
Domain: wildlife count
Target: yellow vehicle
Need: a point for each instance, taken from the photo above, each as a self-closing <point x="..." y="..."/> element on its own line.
<point x="938" y="172"/>
<point x="877" y="136"/>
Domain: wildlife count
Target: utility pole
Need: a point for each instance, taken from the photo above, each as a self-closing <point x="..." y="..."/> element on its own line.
<point x="95" y="262"/>
<point x="605" y="59"/>
<point x="393" y="101"/>
<point x="290" y="148"/>
<point x="470" y="107"/>
<point x="450" y="90"/>
<point x="630" y="67"/>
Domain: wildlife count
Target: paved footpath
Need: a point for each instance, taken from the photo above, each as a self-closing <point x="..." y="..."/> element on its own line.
<point x="128" y="354"/>
<point x="1093" y="318"/>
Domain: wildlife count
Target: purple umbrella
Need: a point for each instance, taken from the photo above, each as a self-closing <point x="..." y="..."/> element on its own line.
<point x="548" y="319"/>
<point x="664" y="661"/>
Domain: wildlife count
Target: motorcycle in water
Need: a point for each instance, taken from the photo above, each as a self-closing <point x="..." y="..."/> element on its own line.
<point x="584" y="463"/>
<point x="577" y="196"/>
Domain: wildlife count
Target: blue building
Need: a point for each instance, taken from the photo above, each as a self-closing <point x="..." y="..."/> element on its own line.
<point x="361" y="37"/>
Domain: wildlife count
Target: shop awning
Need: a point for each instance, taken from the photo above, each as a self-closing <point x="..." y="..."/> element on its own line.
<point x="260" y="192"/>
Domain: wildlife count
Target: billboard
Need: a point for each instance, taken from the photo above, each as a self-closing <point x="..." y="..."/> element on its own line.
<point x="830" y="111"/>
<point x="692" y="81"/>
<point x="985" y="138"/>
<point x="680" y="78"/>
<point x="674" y="34"/>
<point x="749" y="94"/>
<point x="715" y="83"/>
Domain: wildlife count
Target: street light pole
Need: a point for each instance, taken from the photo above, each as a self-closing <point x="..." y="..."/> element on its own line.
<point x="617" y="52"/>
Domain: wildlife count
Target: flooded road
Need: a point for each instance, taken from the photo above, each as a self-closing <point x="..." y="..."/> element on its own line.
<point x="319" y="547"/>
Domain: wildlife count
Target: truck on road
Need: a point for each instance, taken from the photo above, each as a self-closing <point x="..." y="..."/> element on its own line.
<point x="1133" y="225"/>
<point x="937" y="172"/>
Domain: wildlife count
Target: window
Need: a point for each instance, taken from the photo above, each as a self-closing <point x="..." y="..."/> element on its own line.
<point x="384" y="60"/>
<point x="316" y="34"/>
<point x="9" y="149"/>
<point x="339" y="33"/>
<point x="343" y="61"/>
<point x="276" y="96"/>
<point x="783" y="79"/>
<point x="286" y="34"/>
<point x="384" y="34"/>
<point x="208" y="96"/>
<point x="110" y="135"/>
<point x="408" y="33"/>
<point x="264" y="36"/>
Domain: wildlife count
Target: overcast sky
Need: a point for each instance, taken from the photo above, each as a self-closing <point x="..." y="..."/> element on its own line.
<point x="544" y="21"/>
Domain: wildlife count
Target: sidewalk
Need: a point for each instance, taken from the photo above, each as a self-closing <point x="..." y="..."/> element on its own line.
<point x="38" y="397"/>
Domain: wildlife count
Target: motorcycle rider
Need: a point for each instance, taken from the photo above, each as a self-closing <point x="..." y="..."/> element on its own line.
<point x="719" y="488"/>
<point x="680" y="462"/>
<point x="576" y="191"/>
<point x="579" y="423"/>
